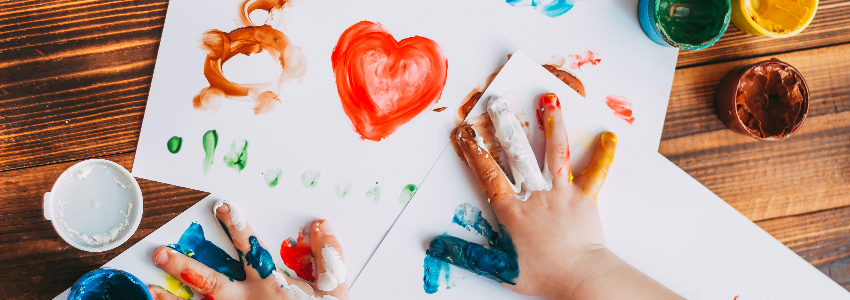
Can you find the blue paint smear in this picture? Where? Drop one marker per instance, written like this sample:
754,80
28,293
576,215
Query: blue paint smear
470,217
193,244
259,258
550,8
109,284
433,269
490,263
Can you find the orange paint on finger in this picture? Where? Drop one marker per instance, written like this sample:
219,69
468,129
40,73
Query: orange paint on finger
191,277
594,176
550,100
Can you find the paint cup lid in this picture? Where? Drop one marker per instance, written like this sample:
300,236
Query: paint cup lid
108,284
95,205
783,100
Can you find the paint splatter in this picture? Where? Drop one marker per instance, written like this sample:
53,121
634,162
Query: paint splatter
175,286
550,8
222,46
259,258
622,108
193,244
580,138
407,194
310,179
384,84
342,189
237,158
174,144
374,193
272,177
470,218
210,141
298,256
579,60
437,273
439,109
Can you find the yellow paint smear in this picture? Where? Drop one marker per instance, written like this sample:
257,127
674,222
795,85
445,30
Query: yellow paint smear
175,286
581,138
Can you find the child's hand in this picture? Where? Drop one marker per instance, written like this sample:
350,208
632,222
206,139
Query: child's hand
557,234
263,282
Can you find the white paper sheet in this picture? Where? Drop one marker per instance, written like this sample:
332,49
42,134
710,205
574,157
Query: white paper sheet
654,215
309,131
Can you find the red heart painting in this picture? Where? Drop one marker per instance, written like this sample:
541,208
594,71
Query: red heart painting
384,84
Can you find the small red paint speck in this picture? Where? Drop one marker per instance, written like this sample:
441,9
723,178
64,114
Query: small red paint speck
539,114
579,60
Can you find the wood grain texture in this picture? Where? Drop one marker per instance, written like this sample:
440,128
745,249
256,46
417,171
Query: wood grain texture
805,173
37,263
831,26
74,77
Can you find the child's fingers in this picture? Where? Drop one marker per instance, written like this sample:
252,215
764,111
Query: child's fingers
196,275
592,178
557,143
158,293
330,264
490,263
491,178
245,240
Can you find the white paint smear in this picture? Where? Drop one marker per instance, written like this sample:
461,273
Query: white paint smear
334,274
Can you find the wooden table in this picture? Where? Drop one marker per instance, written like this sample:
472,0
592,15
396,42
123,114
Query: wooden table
75,75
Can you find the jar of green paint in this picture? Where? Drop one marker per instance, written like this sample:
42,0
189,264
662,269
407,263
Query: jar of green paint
689,25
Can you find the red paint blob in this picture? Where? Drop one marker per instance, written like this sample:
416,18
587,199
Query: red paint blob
622,108
384,84
191,277
298,256
578,60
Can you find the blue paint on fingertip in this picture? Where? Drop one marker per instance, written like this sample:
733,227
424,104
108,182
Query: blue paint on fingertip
471,218
193,244
490,263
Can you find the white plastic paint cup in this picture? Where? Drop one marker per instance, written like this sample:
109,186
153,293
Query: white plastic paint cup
95,205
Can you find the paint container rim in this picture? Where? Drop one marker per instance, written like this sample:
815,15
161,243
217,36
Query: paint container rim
727,106
135,214
104,271
690,47
760,30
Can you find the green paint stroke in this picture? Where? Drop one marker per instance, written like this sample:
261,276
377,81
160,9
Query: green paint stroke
210,142
237,158
342,189
177,288
310,179
272,177
375,193
174,144
407,194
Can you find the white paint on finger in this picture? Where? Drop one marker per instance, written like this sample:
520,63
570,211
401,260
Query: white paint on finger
335,270
236,217
521,159
279,279
293,292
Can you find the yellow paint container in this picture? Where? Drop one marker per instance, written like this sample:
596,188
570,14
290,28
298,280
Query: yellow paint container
773,18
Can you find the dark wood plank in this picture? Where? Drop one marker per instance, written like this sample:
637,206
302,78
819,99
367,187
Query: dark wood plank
37,263
822,238
830,26
74,78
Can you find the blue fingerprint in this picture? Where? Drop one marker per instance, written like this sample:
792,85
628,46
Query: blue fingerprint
550,8
434,268
259,258
193,244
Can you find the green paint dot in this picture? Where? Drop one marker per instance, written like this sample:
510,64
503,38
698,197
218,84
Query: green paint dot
237,158
285,272
375,193
342,189
310,179
407,194
272,177
210,142
174,144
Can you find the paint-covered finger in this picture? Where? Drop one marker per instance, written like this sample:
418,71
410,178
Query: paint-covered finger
330,264
491,178
557,142
158,293
592,178
244,239
524,168
490,263
196,275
